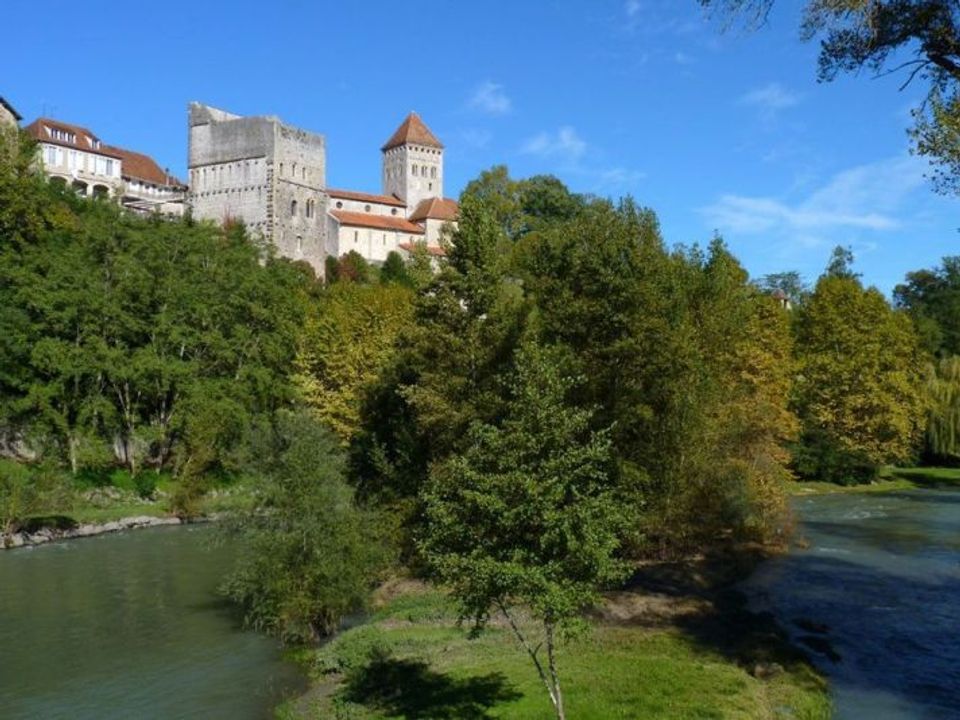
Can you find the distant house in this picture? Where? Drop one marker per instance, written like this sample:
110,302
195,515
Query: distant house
781,297
74,156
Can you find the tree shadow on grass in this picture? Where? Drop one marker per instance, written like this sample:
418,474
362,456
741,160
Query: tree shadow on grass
409,688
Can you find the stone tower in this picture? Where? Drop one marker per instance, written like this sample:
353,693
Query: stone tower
413,163
262,171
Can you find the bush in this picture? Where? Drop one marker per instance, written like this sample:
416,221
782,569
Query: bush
819,457
17,496
310,556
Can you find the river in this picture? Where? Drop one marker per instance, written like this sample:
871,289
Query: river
875,596
129,626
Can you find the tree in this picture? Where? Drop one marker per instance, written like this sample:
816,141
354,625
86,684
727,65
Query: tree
348,340
859,389
353,267
526,514
394,270
932,298
872,35
790,283
943,420
310,555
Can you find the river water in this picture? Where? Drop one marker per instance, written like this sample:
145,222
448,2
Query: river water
875,597
129,626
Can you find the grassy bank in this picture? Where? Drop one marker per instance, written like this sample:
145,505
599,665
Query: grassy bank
412,660
55,497
891,479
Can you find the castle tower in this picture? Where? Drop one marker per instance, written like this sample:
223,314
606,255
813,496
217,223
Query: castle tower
413,163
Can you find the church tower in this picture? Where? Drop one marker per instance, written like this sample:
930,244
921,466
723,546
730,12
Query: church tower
413,163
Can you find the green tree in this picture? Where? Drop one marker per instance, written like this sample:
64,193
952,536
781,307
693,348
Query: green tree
932,298
943,420
526,513
310,554
789,283
859,389
394,270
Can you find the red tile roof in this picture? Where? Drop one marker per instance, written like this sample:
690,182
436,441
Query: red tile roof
380,222
434,250
412,131
435,209
366,197
83,139
143,167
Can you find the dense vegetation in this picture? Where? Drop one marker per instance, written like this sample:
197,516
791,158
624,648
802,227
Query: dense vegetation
563,395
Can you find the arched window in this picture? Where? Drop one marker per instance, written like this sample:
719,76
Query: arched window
303,173
281,168
293,208
424,170
433,173
414,170
299,243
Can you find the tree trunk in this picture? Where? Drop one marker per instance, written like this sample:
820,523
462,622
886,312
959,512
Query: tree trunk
552,685
555,679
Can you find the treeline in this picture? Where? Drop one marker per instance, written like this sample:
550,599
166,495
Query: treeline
563,392
149,343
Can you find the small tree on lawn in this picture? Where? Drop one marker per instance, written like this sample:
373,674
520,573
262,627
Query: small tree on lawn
526,514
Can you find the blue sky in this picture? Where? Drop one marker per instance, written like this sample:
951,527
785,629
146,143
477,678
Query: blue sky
715,131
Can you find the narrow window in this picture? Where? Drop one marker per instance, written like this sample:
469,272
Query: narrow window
293,208
414,170
356,236
384,238
281,168
299,243
433,173
424,170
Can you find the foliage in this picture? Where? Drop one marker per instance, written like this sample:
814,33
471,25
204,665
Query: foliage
17,497
138,340
312,555
526,514
943,421
873,35
394,270
858,393
790,283
353,267
349,337
932,297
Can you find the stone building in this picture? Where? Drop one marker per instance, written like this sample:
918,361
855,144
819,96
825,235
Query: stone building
8,115
270,175
74,156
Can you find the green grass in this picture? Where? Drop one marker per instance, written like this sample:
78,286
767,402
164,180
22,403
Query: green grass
413,661
891,479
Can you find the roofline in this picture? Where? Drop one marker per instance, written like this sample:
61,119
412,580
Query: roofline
13,111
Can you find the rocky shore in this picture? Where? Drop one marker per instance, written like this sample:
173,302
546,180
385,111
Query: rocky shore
50,534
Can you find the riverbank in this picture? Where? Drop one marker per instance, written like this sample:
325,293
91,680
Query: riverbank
891,479
69,531
671,645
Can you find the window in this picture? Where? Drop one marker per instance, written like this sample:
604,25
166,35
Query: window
339,204
281,168
424,170
430,186
433,173
366,208
356,236
303,173
293,208
299,243
384,238
309,208
393,212
51,156
414,170
108,167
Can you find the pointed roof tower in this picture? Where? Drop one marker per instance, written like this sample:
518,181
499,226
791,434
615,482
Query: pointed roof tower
412,131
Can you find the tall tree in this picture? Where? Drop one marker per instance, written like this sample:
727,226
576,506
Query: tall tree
526,513
859,393
932,297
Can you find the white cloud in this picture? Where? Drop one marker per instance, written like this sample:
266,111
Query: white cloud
632,7
618,178
490,98
861,200
771,98
564,144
